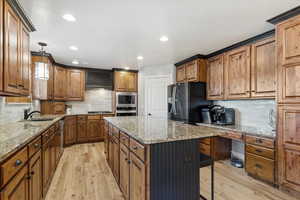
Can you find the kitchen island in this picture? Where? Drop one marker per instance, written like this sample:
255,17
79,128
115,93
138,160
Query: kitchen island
155,159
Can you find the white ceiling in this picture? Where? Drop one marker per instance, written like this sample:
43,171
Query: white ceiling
112,33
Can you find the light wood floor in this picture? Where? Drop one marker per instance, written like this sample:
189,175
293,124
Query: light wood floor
83,174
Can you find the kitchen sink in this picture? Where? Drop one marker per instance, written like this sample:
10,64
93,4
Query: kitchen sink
40,119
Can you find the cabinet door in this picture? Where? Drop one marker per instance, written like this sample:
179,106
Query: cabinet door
76,84
70,133
1,46
111,153
12,71
59,83
35,181
94,130
180,74
263,69
237,72
289,146
131,82
191,69
288,60
137,178
215,78
52,155
82,129
120,81
17,189
46,167
124,170
116,159
24,60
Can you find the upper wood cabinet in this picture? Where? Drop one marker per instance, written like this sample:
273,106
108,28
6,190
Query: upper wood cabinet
16,73
194,71
288,60
215,78
263,69
289,146
76,84
237,73
60,83
125,81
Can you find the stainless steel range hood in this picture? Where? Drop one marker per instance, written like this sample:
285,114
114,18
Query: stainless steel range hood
99,78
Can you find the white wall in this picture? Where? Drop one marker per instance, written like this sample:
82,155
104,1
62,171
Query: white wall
157,70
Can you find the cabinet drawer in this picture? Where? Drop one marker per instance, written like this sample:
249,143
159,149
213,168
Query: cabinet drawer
81,118
94,117
56,125
115,132
261,151
46,136
206,141
260,167
233,135
59,107
13,165
34,146
205,149
265,142
124,138
138,149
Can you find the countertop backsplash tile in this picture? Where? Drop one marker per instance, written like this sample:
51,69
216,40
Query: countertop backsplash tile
15,112
97,99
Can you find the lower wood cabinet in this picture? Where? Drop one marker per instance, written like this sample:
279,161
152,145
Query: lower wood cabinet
124,170
35,174
17,188
94,129
218,148
82,129
137,178
70,132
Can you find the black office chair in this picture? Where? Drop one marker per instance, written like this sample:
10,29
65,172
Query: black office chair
204,162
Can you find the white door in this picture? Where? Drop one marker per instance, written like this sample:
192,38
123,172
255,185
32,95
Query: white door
156,92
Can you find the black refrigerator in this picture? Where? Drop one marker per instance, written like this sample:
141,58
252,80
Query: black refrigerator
186,100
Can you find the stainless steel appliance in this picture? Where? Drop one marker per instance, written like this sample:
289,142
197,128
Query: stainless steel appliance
206,116
223,116
126,99
186,100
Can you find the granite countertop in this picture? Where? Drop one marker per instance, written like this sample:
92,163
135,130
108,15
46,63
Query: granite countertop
248,130
149,130
14,135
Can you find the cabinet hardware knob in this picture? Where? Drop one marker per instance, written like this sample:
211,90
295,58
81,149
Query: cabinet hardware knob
18,163
135,148
37,145
258,150
28,177
32,173
258,166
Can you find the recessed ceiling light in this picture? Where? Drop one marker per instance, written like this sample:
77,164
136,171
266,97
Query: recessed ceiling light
69,18
164,39
75,62
73,48
126,68
140,57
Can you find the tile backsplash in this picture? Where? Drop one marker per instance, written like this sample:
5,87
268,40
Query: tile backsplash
15,112
97,99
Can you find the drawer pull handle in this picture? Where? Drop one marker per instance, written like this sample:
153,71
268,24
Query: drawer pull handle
258,150
258,140
18,163
258,166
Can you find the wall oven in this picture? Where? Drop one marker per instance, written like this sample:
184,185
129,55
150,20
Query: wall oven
126,103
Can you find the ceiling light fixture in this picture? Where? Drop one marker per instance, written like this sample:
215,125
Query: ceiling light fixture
69,18
73,48
126,68
75,62
164,39
140,57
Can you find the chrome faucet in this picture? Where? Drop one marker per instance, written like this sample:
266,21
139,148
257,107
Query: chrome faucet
28,114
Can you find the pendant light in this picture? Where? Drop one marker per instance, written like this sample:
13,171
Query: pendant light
42,68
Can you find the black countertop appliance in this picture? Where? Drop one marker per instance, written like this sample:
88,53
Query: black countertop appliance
222,115
186,101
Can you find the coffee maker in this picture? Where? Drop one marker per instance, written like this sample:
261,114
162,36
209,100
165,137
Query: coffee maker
222,116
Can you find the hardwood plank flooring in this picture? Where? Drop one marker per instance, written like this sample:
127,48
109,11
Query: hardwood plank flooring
234,184
83,174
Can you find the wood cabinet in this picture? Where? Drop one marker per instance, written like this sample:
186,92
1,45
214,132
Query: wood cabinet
116,158
94,129
60,83
218,148
17,189
215,78
46,166
35,174
82,135
76,84
193,71
125,81
53,107
137,178
263,69
288,60
70,132
124,170
16,73
289,146
237,73
1,46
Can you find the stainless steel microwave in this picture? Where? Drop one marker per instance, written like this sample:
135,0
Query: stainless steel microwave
126,99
